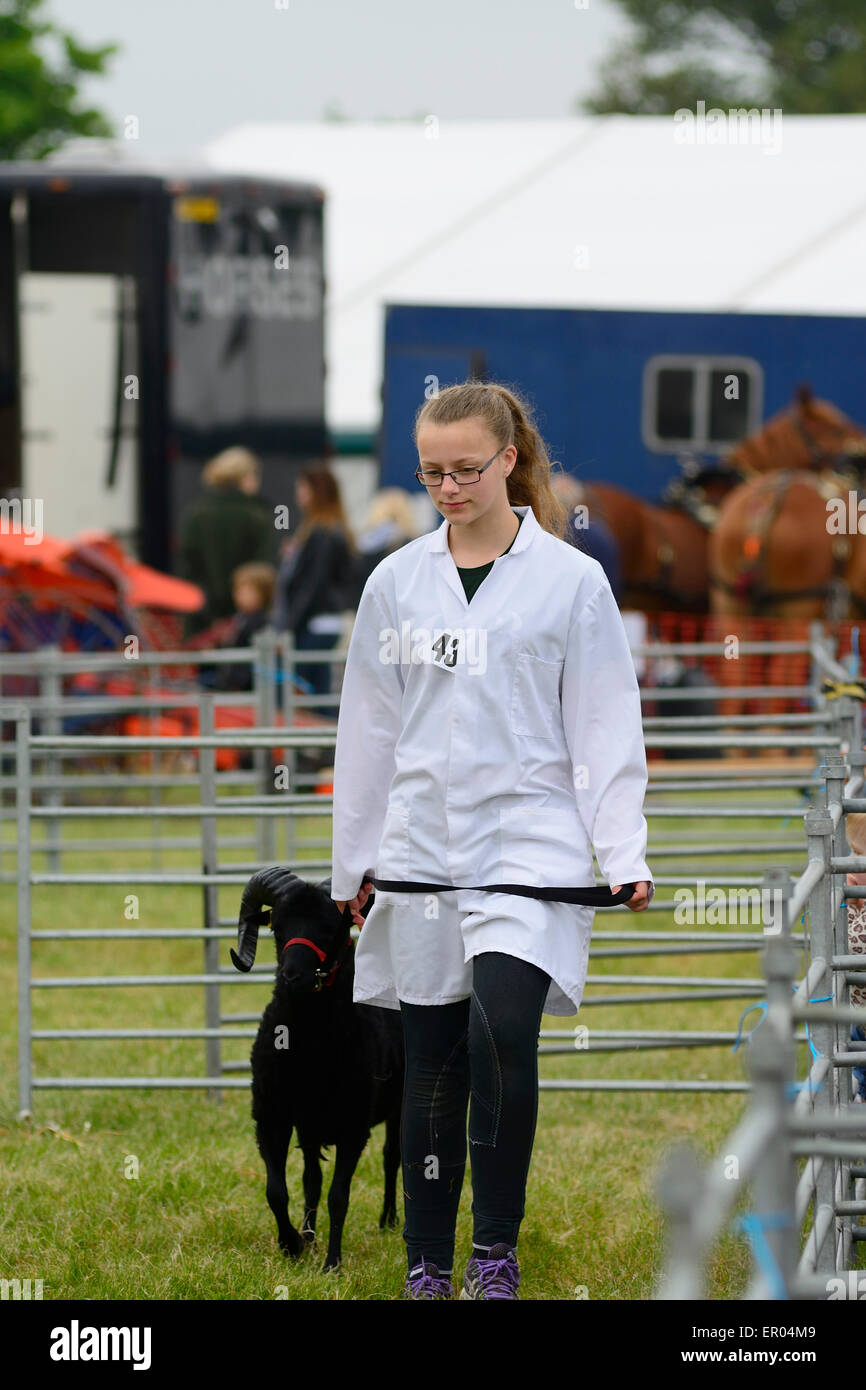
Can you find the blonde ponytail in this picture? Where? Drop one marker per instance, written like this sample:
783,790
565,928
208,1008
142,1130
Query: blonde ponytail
509,418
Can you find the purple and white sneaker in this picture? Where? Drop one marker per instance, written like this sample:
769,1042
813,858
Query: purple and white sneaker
496,1276
425,1281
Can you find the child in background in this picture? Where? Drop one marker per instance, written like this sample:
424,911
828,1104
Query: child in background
252,595
855,832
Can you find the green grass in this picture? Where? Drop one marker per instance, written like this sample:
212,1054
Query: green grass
194,1224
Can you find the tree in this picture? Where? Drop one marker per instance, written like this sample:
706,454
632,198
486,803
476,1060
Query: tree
39,103
804,56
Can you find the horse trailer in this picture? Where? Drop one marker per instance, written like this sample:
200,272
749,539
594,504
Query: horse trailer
148,321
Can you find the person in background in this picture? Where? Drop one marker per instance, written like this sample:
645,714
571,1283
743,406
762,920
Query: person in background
316,579
252,592
595,539
855,833
389,524
225,527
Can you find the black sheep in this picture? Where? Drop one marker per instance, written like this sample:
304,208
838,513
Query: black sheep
322,1065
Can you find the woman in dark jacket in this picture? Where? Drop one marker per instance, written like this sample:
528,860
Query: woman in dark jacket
316,580
225,527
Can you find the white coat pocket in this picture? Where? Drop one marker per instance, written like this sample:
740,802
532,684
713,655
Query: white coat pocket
542,846
535,702
393,858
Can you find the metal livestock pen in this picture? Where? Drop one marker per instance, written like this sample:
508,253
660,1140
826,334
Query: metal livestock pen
827,728
788,1120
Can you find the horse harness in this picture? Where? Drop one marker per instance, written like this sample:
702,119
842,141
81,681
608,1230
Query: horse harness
749,586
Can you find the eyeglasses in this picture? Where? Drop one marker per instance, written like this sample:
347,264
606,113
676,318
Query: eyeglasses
432,477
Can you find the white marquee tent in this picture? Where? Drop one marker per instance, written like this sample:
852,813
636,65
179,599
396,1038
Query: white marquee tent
614,212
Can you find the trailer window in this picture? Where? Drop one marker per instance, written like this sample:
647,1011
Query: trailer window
674,403
705,403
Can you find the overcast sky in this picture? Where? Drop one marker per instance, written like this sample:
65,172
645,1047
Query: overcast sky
191,69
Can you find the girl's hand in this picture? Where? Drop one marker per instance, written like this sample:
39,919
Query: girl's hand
640,898
357,903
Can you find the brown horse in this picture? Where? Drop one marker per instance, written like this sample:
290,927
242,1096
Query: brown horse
663,550
775,548
774,552
810,433
784,546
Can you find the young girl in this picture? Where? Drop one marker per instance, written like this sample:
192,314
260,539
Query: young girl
489,731
252,595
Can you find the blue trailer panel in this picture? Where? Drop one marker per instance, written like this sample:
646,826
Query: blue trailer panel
603,382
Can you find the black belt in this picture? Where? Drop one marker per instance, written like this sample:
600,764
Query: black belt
590,897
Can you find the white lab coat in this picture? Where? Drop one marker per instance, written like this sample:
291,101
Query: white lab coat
502,755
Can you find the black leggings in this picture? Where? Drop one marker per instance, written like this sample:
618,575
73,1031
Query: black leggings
485,1046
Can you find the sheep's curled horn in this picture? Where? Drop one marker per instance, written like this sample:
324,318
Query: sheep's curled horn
266,888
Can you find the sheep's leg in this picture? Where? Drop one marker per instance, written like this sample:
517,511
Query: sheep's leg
274,1149
312,1193
345,1163
391,1164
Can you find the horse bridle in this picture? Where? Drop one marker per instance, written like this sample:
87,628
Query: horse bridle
819,457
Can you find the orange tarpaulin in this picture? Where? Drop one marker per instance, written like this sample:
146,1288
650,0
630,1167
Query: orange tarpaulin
28,566
170,723
143,587
92,566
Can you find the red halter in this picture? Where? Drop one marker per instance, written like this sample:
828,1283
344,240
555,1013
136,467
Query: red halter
305,941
